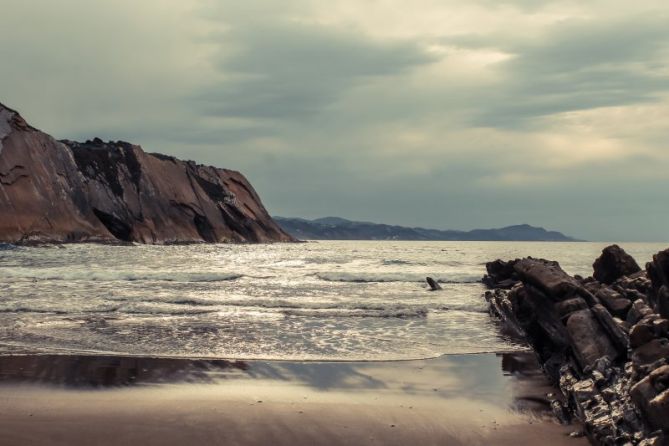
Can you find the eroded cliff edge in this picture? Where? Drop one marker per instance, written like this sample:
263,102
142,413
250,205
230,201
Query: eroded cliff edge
65,191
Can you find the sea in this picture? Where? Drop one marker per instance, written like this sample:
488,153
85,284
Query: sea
312,301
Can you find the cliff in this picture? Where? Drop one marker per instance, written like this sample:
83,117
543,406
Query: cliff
65,191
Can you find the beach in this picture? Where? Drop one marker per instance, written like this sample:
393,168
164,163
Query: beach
483,399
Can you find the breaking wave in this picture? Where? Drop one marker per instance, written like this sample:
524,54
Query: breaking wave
394,277
115,276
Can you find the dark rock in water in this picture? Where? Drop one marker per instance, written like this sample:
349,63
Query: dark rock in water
500,274
589,340
64,191
434,286
614,263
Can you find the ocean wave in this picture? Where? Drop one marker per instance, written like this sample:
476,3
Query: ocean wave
404,313
162,309
114,276
7,247
377,309
32,310
396,262
394,277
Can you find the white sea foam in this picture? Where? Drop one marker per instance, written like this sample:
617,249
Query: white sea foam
113,276
326,300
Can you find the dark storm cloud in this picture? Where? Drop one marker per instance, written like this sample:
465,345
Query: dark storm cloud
293,70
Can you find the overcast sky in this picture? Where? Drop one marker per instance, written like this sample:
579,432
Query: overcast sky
439,113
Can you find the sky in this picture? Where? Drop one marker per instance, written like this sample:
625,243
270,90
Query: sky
435,113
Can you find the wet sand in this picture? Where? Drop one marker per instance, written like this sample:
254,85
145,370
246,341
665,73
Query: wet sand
453,400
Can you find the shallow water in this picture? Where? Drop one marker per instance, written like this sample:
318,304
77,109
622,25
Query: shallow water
333,300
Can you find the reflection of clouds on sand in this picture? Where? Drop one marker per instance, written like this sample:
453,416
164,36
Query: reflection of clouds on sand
479,377
454,400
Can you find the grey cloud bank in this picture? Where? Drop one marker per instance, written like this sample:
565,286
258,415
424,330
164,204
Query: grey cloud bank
444,114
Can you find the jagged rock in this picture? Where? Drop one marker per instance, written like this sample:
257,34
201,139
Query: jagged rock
500,274
612,328
638,311
593,287
596,368
548,277
614,302
588,339
661,327
658,269
651,396
569,306
658,272
662,301
94,191
651,352
641,333
614,263
653,441
434,286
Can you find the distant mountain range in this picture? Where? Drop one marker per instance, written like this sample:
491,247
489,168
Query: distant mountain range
335,228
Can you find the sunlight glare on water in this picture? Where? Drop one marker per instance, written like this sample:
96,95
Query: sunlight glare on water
332,300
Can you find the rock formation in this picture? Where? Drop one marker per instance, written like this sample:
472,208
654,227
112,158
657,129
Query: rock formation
434,286
64,191
603,340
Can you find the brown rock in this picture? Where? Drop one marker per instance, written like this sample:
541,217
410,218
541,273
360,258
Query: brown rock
548,277
65,191
640,334
662,301
658,272
614,263
661,327
651,396
619,337
658,411
569,306
651,352
638,311
614,302
500,274
588,339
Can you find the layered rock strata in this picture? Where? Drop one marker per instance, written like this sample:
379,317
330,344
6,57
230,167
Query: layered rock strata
65,191
603,340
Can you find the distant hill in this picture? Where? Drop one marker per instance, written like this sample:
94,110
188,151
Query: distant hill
336,228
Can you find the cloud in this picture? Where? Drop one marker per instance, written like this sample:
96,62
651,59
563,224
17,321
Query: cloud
293,70
440,113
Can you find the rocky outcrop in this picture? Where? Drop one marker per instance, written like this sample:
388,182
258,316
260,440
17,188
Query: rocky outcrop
65,191
605,344
613,264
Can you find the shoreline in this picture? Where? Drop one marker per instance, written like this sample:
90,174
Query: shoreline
454,399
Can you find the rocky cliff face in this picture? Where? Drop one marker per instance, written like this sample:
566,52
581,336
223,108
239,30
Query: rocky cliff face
64,191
